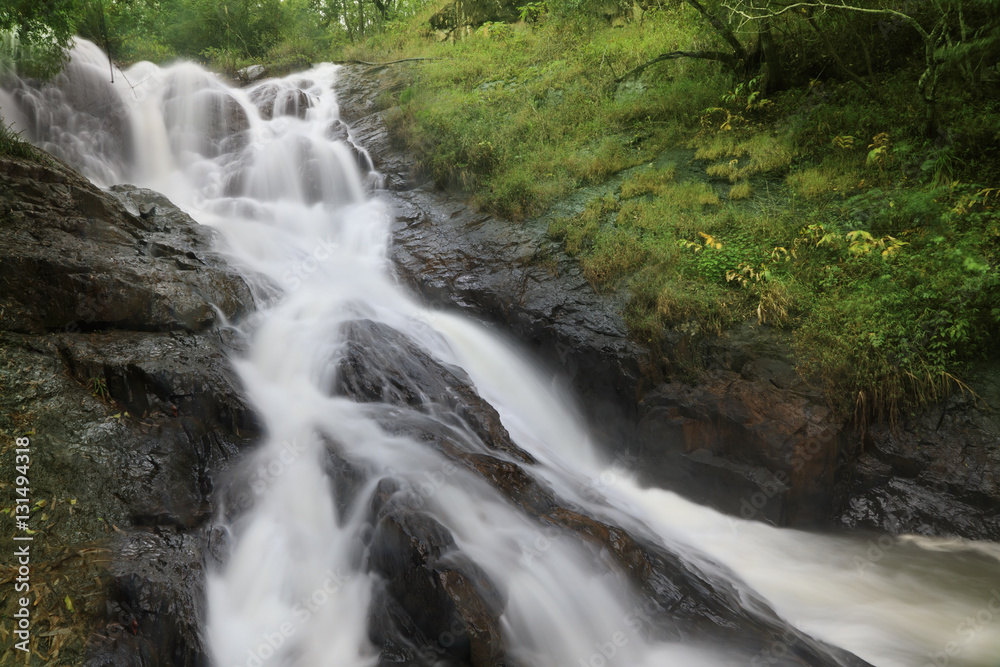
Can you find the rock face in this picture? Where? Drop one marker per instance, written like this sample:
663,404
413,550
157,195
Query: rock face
272,100
727,421
433,590
939,473
110,357
222,121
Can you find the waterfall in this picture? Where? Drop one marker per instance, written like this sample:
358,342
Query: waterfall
274,170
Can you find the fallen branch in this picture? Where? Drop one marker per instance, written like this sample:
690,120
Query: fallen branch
727,58
391,62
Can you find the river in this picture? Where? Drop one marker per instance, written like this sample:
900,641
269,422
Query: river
298,211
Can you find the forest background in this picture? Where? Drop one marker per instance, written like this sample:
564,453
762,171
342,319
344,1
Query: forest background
827,169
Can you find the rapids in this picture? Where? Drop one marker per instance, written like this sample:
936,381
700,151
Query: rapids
274,171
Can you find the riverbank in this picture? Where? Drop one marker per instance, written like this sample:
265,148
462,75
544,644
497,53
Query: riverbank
724,419
821,210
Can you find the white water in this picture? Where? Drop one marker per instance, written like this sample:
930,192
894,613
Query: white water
292,208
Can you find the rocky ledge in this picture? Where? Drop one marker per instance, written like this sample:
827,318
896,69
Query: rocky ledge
113,365
725,421
437,606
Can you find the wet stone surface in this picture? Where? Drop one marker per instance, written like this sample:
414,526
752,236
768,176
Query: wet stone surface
111,358
431,588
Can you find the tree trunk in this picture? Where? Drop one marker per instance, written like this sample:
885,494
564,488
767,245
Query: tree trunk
774,74
927,85
346,12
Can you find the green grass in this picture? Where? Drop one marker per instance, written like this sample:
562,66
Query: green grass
890,293
11,144
741,190
817,210
649,182
814,182
740,158
520,117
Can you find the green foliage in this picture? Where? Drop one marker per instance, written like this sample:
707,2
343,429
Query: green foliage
34,35
532,11
520,116
892,324
224,34
11,144
98,388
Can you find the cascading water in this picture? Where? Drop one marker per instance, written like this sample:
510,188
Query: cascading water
272,168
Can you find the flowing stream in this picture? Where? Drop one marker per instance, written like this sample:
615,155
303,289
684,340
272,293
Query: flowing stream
272,169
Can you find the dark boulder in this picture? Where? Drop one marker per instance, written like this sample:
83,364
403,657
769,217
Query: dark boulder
273,101
435,598
74,258
938,472
379,364
111,361
382,365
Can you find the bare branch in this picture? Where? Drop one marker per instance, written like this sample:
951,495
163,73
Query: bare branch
727,58
738,49
751,13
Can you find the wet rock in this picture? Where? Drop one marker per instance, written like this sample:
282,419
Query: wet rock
110,358
295,103
337,131
939,472
361,92
74,258
273,100
439,600
381,364
144,602
251,74
346,479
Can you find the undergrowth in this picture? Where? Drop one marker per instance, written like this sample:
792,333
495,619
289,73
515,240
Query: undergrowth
819,209
520,115
13,145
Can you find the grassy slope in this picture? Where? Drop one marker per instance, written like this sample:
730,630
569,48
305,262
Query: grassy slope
818,210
